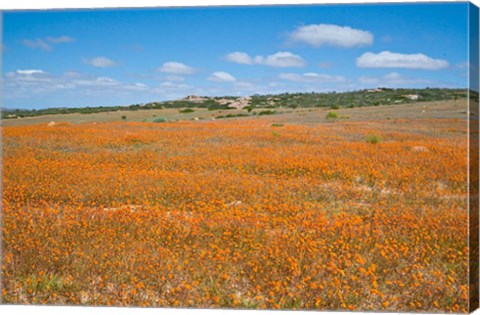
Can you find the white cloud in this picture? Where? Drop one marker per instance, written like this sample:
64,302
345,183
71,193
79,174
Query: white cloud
36,44
393,79
61,39
311,77
318,35
281,59
176,68
32,83
42,43
99,81
239,57
171,85
172,90
28,78
100,62
221,76
387,59
136,87
30,71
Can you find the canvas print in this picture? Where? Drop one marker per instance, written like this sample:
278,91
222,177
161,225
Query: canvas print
296,157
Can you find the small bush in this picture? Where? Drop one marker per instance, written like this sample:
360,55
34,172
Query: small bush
160,120
231,116
335,107
373,139
249,108
267,112
277,125
332,116
124,117
186,110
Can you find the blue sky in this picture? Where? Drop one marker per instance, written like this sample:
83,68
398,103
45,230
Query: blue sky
126,56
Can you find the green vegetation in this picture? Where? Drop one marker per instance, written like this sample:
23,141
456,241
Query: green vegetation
277,125
232,116
332,116
267,112
160,120
373,139
333,100
186,110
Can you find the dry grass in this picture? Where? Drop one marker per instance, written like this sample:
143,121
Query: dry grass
238,214
421,110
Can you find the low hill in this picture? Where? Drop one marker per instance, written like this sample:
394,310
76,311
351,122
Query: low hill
361,98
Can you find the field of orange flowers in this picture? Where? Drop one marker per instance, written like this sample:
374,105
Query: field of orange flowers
237,214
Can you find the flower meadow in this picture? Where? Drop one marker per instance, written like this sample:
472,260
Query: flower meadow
242,213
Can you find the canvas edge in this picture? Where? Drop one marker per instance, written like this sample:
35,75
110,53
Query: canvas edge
1,155
473,170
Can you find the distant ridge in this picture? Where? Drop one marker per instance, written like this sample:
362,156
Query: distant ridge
360,98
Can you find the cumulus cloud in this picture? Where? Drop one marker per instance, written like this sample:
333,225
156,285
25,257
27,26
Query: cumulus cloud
318,35
30,71
387,59
221,76
100,62
393,79
175,67
36,44
311,77
239,57
281,59
60,39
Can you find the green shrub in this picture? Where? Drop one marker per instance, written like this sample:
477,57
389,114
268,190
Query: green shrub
277,125
232,116
267,112
373,139
160,120
332,116
335,107
186,110
249,108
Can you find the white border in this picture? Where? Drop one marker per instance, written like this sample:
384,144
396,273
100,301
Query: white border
52,4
